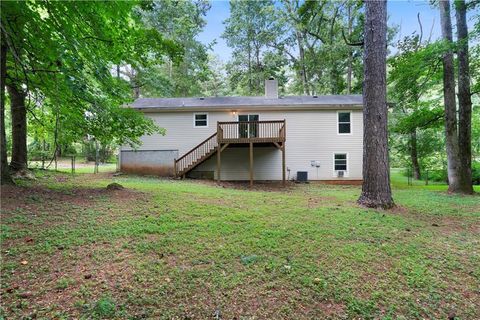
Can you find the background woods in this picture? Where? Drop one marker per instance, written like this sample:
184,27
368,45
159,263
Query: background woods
68,67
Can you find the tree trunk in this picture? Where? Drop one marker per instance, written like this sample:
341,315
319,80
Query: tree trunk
451,138
414,155
250,84
464,101
19,128
5,174
376,191
301,59
350,52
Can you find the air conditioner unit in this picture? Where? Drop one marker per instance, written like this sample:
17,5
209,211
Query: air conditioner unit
340,173
302,176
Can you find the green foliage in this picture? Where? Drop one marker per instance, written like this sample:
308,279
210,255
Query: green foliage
300,43
328,29
249,31
414,80
181,21
105,308
63,53
441,175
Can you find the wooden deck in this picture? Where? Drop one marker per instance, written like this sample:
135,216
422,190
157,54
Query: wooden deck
234,133
251,131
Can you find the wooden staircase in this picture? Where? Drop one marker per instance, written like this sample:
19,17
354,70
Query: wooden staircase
195,156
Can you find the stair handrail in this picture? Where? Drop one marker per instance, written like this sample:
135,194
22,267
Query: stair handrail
193,149
181,163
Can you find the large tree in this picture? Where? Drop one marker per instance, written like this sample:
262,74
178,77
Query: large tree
464,100
376,190
5,170
450,105
457,133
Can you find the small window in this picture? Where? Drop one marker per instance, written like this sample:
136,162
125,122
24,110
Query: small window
201,120
340,161
344,123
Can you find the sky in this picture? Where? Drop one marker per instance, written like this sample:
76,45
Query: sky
402,13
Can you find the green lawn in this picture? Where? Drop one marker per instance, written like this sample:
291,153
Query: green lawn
166,249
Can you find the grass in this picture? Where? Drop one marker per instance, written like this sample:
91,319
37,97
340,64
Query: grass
190,250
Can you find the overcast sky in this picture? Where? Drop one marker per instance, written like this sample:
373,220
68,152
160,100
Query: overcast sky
401,13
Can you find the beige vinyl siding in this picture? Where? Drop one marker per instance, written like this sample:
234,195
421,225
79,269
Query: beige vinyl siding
312,135
181,134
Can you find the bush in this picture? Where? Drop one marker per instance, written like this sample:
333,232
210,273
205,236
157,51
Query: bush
442,176
476,172
437,175
105,153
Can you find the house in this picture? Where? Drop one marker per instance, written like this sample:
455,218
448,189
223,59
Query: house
252,138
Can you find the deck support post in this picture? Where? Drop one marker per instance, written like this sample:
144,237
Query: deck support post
175,168
251,164
219,161
283,163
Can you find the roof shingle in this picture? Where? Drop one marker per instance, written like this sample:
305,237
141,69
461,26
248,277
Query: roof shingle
247,102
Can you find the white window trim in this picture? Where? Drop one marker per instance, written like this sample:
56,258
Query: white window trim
338,123
195,123
348,164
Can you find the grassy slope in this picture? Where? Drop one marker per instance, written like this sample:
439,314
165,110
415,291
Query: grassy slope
189,250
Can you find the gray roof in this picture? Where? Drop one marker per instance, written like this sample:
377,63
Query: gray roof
219,103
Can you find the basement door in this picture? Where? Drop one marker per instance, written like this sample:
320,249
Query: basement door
248,130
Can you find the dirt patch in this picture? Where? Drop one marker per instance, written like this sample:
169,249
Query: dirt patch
442,224
67,282
274,186
258,301
341,182
14,197
317,202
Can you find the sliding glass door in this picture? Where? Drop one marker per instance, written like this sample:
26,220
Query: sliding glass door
248,130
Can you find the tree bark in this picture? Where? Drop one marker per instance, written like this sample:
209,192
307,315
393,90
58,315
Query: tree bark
301,59
5,170
376,191
414,155
19,128
451,138
464,101
350,52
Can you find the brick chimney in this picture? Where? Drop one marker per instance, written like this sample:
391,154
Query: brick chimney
271,88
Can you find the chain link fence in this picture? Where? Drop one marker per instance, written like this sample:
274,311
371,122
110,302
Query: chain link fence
73,164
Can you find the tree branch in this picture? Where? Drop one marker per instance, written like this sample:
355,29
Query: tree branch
353,44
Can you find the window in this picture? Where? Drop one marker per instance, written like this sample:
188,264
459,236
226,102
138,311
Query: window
200,120
344,123
340,162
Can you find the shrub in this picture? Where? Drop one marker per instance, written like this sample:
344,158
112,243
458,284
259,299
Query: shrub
476,172
437,175
441,175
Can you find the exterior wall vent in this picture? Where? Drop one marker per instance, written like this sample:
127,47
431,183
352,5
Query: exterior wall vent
340,173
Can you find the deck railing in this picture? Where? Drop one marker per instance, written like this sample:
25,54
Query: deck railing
251,131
